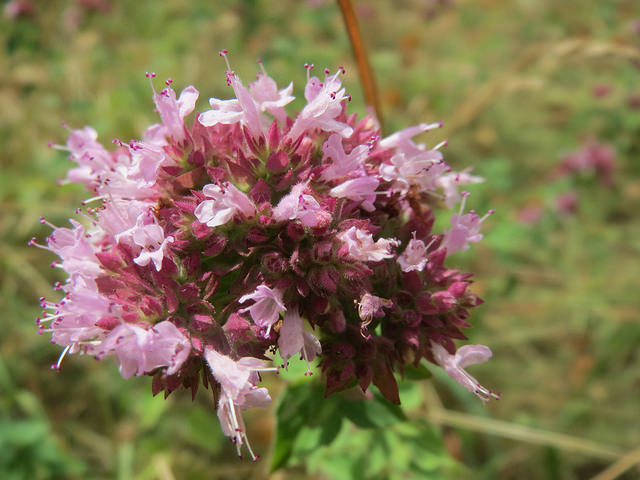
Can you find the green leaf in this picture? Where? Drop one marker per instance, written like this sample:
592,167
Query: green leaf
375,413
417,373
296,407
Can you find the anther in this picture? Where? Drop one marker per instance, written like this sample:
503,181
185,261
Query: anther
223,54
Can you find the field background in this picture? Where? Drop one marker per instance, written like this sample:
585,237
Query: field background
518,84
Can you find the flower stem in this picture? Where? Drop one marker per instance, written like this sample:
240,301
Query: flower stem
364,67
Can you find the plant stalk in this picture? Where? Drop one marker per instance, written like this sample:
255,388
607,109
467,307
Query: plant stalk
364,67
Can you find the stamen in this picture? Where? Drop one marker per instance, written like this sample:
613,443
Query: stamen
264,72
254,457
60,358
443,143
56,146
150,76
306,359
237,439
430,243
32,243
308,67
426,127
223,53
91,211
388,193
48,318
266,369
464,196
487,215
93,199
44,221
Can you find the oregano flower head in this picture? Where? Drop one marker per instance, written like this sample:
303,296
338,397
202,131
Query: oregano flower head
213,242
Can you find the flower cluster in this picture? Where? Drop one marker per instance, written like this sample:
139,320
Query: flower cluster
593,158
213,244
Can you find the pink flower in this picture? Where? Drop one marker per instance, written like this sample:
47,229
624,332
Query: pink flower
401,140
141,350
239,392
127,342
146,159
313,86
422,170
268,98
362,189
92,158
301,206
293,339
449,183
76,251
325,104
166,347
455,366
360,245
225,202
73,322
343,164
464,229
267,306
120,218
172,113
414,256
235,377
241,109
153,242
370,306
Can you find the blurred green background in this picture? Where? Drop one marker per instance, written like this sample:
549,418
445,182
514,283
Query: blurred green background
518,84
